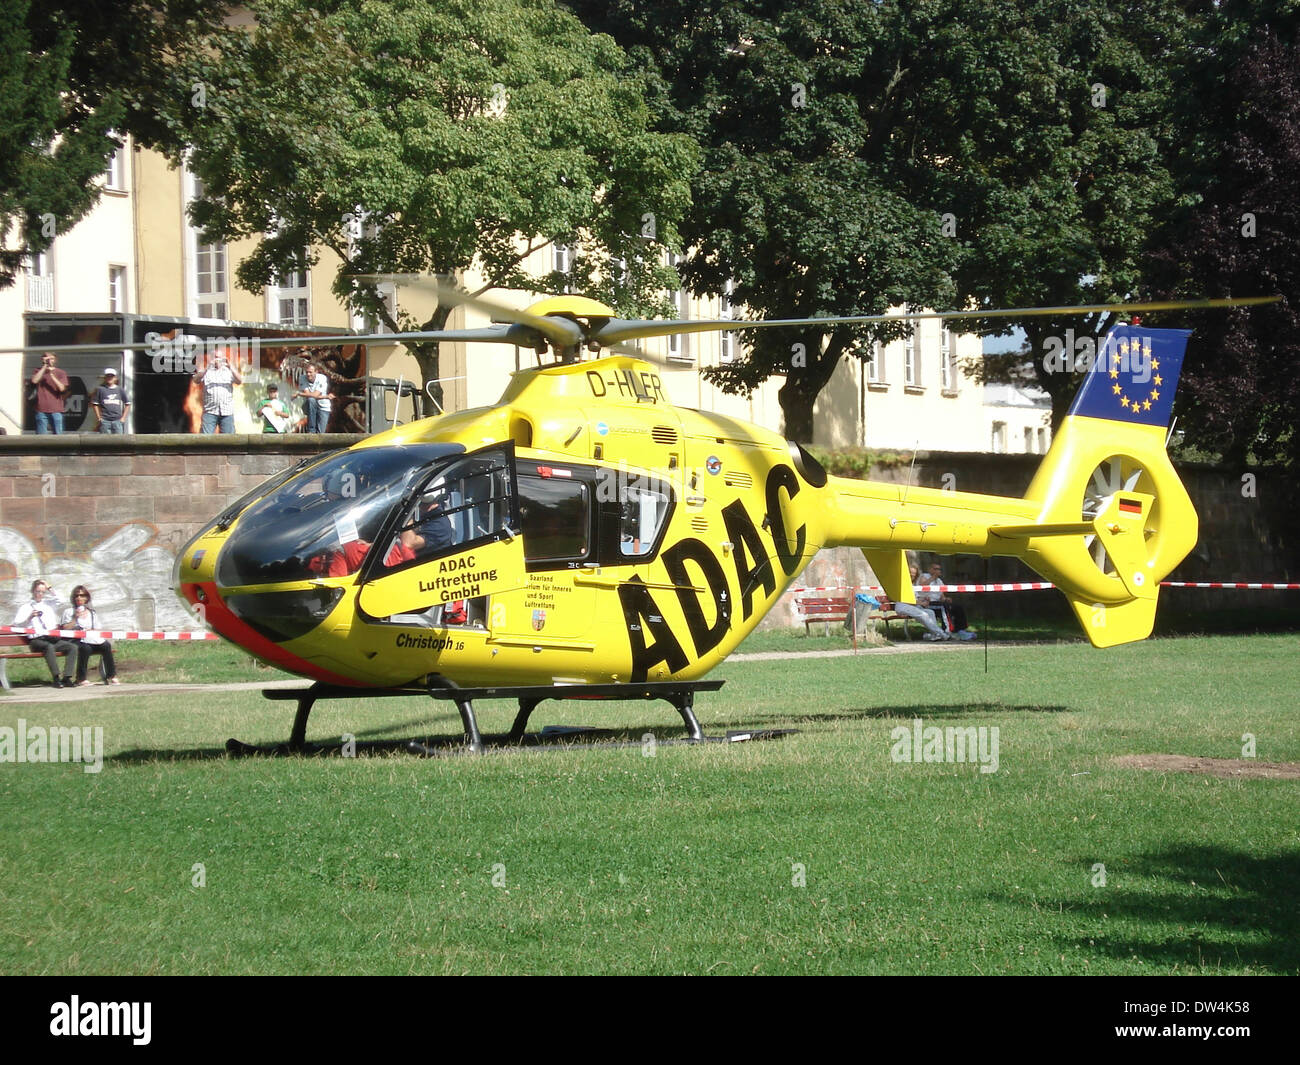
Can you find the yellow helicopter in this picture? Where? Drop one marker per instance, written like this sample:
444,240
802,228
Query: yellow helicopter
585,536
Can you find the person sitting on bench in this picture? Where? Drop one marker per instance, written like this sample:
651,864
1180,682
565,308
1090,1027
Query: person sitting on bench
920,611
39,615
81,616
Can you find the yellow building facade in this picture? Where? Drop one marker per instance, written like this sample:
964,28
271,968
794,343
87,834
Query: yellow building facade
137,256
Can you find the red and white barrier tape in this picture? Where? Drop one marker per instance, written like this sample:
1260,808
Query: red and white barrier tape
1229,584
1034,586
112,634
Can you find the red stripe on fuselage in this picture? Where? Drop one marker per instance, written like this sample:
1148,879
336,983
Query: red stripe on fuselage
222,621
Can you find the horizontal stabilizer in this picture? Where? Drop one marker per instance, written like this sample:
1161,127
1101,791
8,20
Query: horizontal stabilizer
1026,532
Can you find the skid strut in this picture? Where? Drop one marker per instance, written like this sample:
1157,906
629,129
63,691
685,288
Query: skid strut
681,694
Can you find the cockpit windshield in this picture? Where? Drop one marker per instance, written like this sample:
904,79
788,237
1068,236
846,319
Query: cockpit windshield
322,522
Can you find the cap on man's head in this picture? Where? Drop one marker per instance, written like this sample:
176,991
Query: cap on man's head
110,372
273,388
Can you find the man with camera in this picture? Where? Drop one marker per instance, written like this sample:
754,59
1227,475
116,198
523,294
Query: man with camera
218,380
51,386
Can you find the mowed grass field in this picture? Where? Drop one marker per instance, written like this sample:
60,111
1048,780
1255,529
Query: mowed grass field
816,853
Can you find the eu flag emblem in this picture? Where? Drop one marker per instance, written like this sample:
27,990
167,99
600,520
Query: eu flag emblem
1134,376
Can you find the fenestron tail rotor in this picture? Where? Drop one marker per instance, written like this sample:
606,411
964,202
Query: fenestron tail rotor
1113,475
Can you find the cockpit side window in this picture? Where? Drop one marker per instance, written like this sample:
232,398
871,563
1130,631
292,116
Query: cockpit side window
322,521
465,503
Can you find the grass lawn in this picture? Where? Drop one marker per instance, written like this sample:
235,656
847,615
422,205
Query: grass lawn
817,853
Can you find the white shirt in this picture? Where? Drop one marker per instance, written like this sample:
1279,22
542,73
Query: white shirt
320,389
88,622
44,618
218,391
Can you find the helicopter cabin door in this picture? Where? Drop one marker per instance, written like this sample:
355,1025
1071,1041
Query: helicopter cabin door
455,543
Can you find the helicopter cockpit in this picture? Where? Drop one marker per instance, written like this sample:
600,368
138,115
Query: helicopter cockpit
322,522
427,532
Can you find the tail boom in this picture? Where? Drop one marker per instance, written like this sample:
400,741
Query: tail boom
1105,518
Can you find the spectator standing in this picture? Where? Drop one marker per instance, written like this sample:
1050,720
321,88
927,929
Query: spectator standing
111,404
218,381
51,389
39,615
316,392
82,616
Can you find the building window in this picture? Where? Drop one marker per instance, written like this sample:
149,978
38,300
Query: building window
1029,440
912,360
210,280
999,441
726,341
876,364
291,295
678,347
562,263
40,282
117,288
947,361
208,291
115,174
1042,441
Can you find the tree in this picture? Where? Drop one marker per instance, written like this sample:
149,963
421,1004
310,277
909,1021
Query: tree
859,156
75,75
419,138
1241,164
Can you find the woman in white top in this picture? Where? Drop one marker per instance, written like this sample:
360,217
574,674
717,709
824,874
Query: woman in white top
81,616
39,615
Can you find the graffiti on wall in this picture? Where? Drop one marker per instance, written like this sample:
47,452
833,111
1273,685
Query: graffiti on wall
129,575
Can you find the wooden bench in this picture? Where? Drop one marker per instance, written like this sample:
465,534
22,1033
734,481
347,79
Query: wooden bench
10,643
824,608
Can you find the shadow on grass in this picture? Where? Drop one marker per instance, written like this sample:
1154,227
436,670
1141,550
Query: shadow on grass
381,741
1201,906
902,713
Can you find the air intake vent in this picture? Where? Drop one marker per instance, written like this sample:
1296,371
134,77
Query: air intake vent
738,480
699,525
663,434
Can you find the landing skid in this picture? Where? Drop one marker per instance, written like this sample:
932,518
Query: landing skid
681,694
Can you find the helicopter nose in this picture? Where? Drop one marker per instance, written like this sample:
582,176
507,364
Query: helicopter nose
238,618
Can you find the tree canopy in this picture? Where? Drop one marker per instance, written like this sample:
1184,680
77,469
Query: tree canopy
1239,116
859,156
76,75
419,138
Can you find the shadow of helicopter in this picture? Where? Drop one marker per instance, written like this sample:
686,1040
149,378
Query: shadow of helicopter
555,737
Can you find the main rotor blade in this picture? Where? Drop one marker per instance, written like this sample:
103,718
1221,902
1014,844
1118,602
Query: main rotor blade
561,332
617,329
524,336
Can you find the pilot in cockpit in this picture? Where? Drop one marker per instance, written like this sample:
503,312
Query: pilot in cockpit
433,531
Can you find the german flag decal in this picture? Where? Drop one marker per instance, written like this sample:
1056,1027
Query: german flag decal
1130,506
